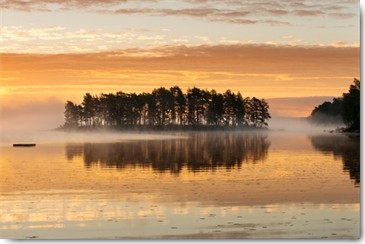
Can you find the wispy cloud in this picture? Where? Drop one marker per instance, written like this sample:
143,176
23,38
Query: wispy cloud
240,16
59,39
57,5
265,71
238,57
56,39
249,12
305,12
230,11
261,70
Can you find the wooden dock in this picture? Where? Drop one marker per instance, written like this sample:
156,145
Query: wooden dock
24,145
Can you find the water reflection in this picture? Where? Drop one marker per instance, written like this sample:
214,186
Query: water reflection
345,147
87,215
201,151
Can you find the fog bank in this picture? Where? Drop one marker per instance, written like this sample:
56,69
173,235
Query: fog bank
290,124
27,116
33,122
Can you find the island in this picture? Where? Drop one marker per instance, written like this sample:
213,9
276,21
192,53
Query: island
168,109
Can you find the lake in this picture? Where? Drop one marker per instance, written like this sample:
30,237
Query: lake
201,185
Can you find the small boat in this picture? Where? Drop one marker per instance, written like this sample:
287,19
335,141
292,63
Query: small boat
24,145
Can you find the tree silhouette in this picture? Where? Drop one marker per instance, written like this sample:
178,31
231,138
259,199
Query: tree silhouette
151,108
168,108
328,112
264,114
73,115
345,109
197,104
240,110
351,106
179,108
229,102
215,108
164,104
109,105
89,109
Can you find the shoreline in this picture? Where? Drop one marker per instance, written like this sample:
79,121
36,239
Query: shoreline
168,128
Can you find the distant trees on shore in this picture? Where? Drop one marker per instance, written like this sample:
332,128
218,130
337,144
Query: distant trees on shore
328,112
345,109
351,106
166,107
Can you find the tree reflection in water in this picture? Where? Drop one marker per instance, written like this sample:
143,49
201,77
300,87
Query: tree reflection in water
345,147
201,151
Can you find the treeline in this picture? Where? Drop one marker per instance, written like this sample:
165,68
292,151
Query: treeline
345,109
167,107
328,112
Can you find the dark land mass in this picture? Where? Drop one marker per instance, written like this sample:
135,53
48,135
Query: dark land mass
169,128
168,109
343,110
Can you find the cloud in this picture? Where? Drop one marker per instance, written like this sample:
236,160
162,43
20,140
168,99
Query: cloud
211,14
244,57
308,12
229,11
337,9
278,12
56,5
271,56
264,71
247,12
255,70
56,39
343,44
342,15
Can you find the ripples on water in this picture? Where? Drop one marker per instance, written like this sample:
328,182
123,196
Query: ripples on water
345,147
201,185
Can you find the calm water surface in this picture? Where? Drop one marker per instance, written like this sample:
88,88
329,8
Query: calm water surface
183,185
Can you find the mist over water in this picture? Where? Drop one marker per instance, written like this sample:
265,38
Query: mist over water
290,124
36,134
28,120
118,182
35,123
52,136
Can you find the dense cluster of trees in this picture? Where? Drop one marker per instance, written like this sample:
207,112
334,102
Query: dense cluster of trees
168,107
351,106
328,112
345,109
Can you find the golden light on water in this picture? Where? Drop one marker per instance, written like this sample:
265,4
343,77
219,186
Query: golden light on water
287,182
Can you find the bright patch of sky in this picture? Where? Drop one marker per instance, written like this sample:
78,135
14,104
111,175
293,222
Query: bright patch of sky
110,25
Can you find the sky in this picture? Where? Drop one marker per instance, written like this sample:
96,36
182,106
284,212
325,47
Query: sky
294,53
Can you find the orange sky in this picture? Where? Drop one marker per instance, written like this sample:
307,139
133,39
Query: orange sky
265,71
298,52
